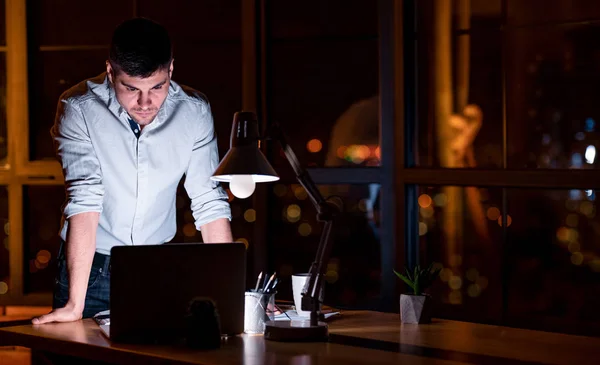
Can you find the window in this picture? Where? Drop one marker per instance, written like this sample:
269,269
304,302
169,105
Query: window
322,87
503,191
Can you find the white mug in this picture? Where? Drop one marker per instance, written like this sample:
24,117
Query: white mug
298,281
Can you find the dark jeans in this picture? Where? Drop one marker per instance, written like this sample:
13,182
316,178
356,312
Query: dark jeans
97,298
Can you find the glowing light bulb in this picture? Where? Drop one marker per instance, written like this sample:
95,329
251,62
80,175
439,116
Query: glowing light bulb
590,154
242,186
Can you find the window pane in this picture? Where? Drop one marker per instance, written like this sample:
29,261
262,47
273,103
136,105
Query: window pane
545,275
553,75
354,266
523,13
41,224
74,22
52,73
3,134
323,81
553,253
459,85
460,231
4,251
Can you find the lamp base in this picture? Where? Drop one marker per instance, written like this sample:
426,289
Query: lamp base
295,331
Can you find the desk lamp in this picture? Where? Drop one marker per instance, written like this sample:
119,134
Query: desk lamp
242,167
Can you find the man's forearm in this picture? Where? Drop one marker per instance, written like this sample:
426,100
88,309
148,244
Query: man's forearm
81,245
217,231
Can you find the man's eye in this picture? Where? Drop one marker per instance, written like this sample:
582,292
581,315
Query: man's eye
158,87
131,89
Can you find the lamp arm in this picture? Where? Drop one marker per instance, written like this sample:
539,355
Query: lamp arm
326,212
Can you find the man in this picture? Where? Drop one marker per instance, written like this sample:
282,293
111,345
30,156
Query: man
125,139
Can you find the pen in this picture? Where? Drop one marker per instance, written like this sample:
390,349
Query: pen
258,282
266,288
274,285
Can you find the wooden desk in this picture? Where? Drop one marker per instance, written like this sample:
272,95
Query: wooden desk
356,338
464,341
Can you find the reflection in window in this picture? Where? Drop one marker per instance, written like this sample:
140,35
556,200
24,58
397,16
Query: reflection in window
554,259
41,224
544,275
353,271
553,112
460,86
355,136
467,247
327,105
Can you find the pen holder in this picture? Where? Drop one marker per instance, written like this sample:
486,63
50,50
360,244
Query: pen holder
258,308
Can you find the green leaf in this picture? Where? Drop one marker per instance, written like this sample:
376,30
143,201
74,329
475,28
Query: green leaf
408,282
408,275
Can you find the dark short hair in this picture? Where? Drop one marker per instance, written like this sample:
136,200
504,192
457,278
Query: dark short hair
140,47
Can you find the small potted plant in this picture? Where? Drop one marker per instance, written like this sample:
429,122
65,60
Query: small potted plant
416,307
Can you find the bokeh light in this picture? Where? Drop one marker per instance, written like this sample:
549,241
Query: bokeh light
473,290
43,256
472,274
445,274
3,288
300,193
422,229
250,215
508,220
424,201
244,241
426,212
455,282
314,145
493,213
331,276
293,213
440,200
304,229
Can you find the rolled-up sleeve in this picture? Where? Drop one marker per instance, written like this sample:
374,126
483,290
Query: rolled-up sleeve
81,168
209,200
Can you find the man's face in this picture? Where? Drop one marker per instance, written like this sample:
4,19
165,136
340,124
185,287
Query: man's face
141,97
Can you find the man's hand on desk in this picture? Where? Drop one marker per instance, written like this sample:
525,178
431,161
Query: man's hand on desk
66,314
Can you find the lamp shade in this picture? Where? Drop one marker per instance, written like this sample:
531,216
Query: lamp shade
244,157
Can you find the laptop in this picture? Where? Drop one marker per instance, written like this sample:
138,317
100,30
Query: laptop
152,287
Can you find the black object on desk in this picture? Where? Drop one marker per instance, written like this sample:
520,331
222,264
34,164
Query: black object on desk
203,329
152,289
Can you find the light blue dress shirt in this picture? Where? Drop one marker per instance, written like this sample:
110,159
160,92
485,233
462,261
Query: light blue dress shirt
132,180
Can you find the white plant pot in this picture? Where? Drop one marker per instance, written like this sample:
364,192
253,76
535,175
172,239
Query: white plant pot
415,308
